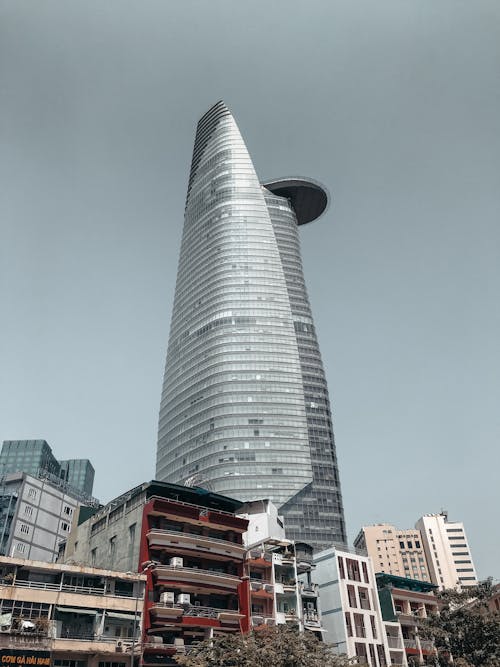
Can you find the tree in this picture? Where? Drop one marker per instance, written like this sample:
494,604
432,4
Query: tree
281,646
465,628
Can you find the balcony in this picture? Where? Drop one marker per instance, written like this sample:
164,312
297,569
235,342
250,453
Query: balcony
65,588
71,642
410,643
309,590
211,578
176,610
190,541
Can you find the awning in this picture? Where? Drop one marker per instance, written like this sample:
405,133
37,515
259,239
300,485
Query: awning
127,617
74,610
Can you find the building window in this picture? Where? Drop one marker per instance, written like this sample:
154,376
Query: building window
374,627
417,544
112,549
359,625
351,594
28,510
68,510
401,545
341,567
21,547
31,493
93,557
364,600
365,572
24,528
348,624
64,526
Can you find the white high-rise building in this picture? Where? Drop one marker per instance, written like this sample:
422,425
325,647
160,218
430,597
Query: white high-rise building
447,551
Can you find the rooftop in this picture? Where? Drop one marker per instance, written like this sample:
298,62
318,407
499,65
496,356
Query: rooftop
404,583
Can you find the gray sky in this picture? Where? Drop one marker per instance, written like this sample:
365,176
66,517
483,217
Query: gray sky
393,104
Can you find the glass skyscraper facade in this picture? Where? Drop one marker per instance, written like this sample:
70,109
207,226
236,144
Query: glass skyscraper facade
245,408
35,457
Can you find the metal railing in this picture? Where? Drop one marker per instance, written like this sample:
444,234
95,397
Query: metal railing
410,643
426,645
66,588
198,507
195,610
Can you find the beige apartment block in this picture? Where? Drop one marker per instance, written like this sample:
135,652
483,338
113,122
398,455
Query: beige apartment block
69,615
447,551
394,551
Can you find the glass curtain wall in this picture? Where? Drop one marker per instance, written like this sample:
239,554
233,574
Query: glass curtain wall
235,416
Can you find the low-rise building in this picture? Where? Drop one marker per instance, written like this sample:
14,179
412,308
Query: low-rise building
78,616
281,588
280,571
406,602
350,606
189,543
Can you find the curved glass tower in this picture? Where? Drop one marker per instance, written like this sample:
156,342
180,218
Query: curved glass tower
245,408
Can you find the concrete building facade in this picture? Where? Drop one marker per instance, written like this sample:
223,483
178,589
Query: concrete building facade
280,572
394,551
35,516
447,550
350,606
67,615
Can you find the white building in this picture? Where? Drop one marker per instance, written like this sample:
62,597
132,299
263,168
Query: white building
447,551
35,516
280,571
264,522
350,606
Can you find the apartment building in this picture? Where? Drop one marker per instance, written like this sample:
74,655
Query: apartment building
447,551
405,602
350,606
189,543
69,615
280,571
281,589
36,514
394,551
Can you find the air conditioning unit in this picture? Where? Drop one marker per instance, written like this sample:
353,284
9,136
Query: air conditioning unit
183,598
168,596
176,562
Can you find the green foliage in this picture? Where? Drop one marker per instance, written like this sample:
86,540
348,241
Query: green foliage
282,646
466,628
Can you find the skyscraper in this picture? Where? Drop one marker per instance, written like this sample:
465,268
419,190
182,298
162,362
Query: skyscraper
35,457
245,408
